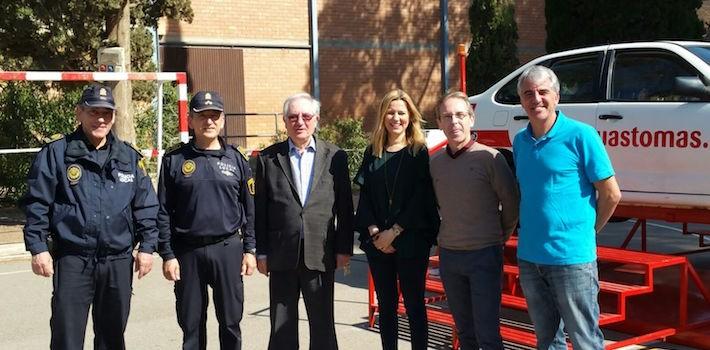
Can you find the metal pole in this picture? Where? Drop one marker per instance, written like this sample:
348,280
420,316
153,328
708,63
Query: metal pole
315,67
159,105
160,125
444,10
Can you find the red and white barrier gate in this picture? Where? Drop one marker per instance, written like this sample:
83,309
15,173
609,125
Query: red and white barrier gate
179,77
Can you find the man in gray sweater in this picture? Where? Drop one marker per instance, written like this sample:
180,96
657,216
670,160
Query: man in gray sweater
478,204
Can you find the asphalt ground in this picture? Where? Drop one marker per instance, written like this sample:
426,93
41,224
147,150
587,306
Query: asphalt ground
25,302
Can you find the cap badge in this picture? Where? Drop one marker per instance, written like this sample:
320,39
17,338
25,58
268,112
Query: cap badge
73,174
188,167
207,103
102,92
208,96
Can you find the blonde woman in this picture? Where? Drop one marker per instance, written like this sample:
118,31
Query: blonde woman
397,216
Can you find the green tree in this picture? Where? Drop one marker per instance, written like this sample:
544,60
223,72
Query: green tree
493,51
29,117
65,35
578,23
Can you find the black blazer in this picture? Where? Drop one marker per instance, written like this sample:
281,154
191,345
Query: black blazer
326,220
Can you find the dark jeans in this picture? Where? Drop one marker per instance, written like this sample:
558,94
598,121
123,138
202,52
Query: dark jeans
80,282
219,266
386,269
472,281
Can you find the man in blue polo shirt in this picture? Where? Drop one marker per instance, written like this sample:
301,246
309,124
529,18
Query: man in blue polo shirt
562,166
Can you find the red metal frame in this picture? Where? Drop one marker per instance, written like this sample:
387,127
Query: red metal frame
649,261
461,51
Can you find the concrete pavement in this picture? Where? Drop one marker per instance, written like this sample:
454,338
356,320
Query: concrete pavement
25,300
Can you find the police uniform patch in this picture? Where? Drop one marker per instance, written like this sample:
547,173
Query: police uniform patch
251,186
188,167
73,174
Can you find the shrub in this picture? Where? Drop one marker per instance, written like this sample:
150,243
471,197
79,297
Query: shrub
348,134
30,113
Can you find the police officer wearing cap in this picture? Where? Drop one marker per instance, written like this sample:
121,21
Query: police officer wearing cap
206,222
90,199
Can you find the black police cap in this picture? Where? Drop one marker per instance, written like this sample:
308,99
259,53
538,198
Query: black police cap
97,96
207,100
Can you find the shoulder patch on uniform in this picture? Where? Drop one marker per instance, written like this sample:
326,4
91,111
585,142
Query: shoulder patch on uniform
251,186
53,138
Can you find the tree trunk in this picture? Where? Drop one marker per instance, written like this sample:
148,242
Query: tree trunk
120,32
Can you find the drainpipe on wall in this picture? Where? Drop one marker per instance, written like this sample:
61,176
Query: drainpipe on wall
444,23
315,67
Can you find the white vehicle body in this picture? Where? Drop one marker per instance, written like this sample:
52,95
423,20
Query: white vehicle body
650,103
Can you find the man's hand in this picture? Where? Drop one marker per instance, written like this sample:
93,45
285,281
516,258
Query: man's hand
171,270
262,266
384,239
42,264
143,264
248,264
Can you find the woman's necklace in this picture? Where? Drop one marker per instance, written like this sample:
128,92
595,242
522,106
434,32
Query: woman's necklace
390,194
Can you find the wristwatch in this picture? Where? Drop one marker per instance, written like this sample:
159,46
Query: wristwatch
251,251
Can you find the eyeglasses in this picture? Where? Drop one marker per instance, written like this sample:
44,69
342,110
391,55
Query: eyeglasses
452,116
294,117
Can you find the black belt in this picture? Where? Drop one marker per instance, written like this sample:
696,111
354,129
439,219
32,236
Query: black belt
204,240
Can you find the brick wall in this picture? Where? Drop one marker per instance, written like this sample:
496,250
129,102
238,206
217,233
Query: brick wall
367,49
530,18
246,20
258,28
270,76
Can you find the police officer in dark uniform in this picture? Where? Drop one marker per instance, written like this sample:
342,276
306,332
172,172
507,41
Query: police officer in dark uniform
90,197
206,224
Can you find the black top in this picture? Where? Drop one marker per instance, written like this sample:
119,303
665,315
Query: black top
204,193
397,189
91,207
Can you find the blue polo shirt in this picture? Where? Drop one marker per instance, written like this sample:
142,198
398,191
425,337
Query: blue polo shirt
558,200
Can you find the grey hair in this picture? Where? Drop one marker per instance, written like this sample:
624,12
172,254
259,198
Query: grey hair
315,105
538,74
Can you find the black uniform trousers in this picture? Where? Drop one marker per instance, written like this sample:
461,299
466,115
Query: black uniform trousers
84,281
317,287
386,270
219,266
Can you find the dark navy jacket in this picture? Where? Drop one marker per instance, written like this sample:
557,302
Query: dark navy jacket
204,193
89,209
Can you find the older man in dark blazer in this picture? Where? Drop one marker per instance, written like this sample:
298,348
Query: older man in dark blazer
304,215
